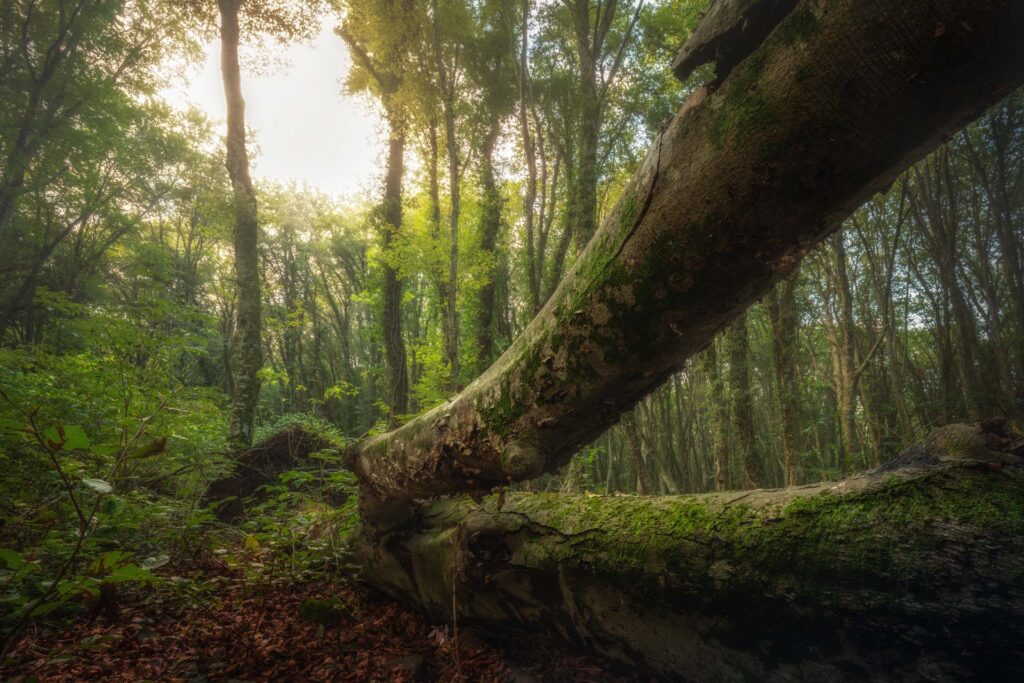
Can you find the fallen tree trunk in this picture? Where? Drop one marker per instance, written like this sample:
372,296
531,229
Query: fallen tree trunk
840,97
914,571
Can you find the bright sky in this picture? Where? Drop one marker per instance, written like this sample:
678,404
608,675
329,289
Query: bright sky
306,130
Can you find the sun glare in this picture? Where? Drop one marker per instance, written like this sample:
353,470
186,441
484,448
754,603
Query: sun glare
304,128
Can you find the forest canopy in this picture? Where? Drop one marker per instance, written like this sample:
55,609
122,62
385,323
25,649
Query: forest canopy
161,311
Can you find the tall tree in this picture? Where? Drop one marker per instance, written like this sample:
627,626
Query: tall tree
488,60
60,60
782,313
447,63
741,403
248,345
935,207
718,417
283,21
599,60
76,79
382,36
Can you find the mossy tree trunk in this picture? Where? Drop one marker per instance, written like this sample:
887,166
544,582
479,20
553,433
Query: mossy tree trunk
838,100
490,228
912,572
248,328
388,79
391,228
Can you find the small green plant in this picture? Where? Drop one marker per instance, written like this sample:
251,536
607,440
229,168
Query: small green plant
73,560
296,531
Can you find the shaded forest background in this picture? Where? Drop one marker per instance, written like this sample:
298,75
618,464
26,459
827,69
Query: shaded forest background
517,125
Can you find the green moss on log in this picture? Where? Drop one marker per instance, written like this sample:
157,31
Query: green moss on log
745,107
850,537
923,560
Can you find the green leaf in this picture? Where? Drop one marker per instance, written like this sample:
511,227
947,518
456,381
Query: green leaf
113,505
46,608
53,438
10,558
110,559
12,425
107,449
128,573
98,485
75,437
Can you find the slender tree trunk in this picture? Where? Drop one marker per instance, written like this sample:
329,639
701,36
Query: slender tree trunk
13,177
25,295
718,413
644,485
935,200
40,116
741,405
568,221
490,227
783,317
586,190
666,462
589,41
846,378
248,352
1006,177
394,343
438,270
529,152
451,311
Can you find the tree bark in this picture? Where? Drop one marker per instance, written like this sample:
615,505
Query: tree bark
590,38
741,406
934,198
529,153
248,352
903,573
388,77
847,386
446,85
784,320
717,414
586,179
732,195
394,344
490,227
644,485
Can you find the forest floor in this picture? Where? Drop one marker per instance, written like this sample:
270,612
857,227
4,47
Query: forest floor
323,629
